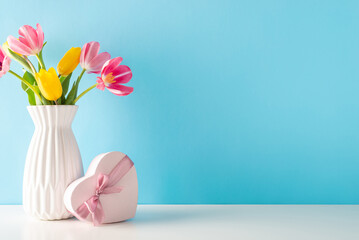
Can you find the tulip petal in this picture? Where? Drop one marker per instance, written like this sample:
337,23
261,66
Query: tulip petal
52,71
69,61
84,51
40,36
2,54
120,90
97,62
24,41
49,84
30,35
4,63
92,51
101,84
105,65
122,74
18,47
110,65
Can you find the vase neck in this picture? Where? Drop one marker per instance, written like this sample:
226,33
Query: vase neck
60,116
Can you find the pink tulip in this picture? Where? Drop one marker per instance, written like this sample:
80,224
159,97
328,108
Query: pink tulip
4,63
90,60
30,41
113,75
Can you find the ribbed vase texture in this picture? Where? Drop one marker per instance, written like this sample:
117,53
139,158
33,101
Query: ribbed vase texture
53,161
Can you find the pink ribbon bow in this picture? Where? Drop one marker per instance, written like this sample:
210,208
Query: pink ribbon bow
105,185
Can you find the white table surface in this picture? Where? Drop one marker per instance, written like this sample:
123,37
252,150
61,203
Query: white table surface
172,222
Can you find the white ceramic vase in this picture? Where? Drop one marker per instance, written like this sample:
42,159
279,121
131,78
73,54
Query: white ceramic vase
53,161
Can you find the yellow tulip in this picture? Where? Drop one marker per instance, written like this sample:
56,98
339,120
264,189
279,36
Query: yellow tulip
69,61
49,84
6,48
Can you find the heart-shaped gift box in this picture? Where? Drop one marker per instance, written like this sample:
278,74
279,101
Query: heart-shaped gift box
107,193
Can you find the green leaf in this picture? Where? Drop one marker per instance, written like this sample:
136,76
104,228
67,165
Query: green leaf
30,94
38,101
45,101
73,93
29,78
40,56
65,82
20,60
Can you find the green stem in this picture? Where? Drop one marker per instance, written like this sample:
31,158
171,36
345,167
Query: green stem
82,73
27,84
42,64
84,92
31,65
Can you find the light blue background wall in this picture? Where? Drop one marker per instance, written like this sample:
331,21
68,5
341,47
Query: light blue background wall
234,102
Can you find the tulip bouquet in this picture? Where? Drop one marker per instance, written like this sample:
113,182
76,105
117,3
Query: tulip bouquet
48,86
